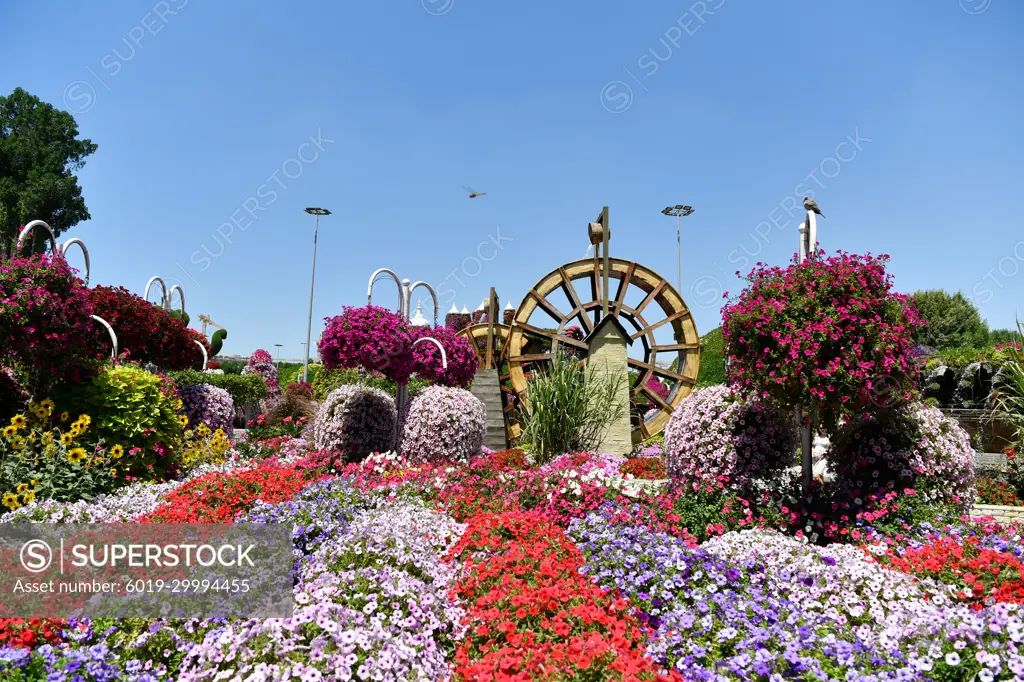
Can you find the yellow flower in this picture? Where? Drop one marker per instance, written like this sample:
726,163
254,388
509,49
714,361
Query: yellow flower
85,419
67,438
113,472
34,482
22,487
204,430
77,455
46,438
17,442
183,420
64,416
116,451
9,431
18,421
188,435
178,404
48,406
10,501
29,497
32,437
50,451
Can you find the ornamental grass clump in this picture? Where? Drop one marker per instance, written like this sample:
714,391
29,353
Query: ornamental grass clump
827,332
209,405
356,420
569,409
716,439
443,423
914,447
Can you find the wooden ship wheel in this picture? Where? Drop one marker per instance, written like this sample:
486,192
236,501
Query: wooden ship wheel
532,343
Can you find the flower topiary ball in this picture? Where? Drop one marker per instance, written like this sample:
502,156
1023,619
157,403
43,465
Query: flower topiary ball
444,423
210,405
914,446
717,439
356,420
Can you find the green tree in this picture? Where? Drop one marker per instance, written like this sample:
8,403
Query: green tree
39,152
953,321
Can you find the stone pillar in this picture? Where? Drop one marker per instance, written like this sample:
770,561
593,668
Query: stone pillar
608,361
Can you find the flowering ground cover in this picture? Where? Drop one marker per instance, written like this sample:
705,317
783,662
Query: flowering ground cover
496,569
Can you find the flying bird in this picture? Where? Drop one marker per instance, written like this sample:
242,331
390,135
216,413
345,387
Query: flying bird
473,194
811,205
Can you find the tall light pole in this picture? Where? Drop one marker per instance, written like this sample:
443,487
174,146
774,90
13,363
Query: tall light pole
278,356
678,211
309,323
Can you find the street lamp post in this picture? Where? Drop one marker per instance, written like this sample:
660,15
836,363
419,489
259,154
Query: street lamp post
309,323
278,345
678,211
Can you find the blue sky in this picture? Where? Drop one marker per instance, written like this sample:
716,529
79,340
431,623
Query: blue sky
903,121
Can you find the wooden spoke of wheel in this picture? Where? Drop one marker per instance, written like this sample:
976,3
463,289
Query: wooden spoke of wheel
660,303
477,333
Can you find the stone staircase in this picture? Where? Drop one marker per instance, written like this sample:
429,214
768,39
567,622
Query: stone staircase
488,390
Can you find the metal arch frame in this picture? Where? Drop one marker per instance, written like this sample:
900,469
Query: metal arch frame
373,280
33,225
629,273
444,356
170,297
163,288
437,307
203,349
63,249
110,331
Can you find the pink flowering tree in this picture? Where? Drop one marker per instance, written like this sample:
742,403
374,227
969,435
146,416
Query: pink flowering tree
370,337
828,332
45,323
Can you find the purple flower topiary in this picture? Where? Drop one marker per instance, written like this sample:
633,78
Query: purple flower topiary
356,420
210,405
716,437
443,423
261,363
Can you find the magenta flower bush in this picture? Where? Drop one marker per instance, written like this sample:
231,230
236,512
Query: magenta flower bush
461,357
914,446
716,439
356,420
658,388
443,423
456,321
370,337
44,318
828,331
261,363
210,405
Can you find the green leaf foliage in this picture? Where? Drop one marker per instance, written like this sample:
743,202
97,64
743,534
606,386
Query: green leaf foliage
39,150
244,388
952,320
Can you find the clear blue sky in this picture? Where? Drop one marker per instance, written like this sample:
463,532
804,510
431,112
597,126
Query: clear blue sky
553,109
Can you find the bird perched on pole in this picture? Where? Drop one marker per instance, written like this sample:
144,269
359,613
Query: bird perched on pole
811,205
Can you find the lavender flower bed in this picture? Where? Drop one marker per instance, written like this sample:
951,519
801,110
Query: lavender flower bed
758,604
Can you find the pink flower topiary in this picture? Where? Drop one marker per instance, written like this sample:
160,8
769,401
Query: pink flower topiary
370,337
443,424
462,362
828,331
261,363
716,439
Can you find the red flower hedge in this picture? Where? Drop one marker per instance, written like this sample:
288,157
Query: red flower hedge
27,633
533,616
218,497
148,332
983,576
44,320
828,331
647,468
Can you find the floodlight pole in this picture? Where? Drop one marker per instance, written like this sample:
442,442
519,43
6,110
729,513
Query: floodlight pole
807,417
678,211
309,322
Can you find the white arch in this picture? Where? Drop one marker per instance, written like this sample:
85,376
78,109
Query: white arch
444,356
437,307
85,252
110,330
202,348
33,225
170,297
163,287
398,282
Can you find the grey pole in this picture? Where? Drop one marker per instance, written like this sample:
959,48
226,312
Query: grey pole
679,211
309,322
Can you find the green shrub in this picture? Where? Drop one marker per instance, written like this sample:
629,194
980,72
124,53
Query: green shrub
134,409
712,359
952,320
243,388
326,380
570,409
232,366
